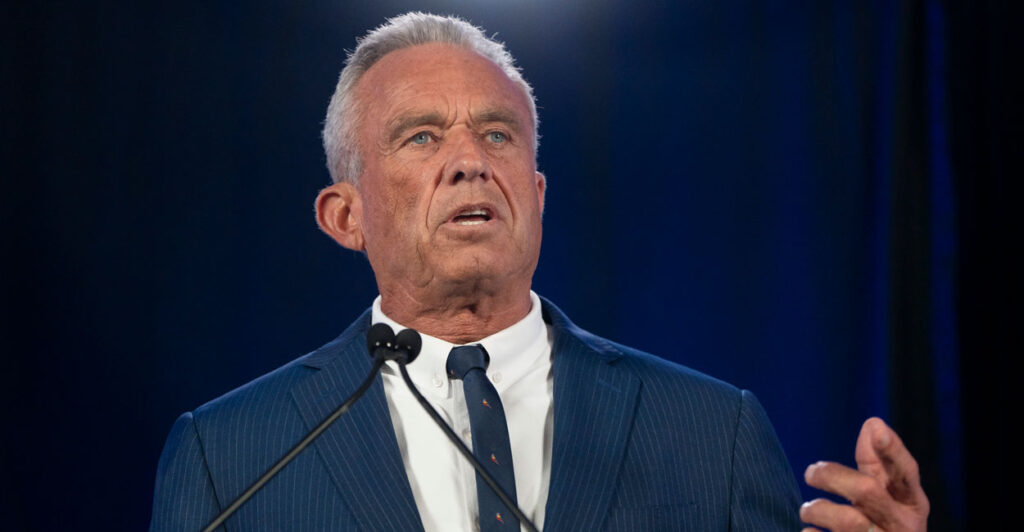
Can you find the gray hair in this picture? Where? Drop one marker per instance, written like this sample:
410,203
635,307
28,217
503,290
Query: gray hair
403,31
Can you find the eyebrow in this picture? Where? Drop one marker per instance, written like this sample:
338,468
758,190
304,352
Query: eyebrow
400,124
501,115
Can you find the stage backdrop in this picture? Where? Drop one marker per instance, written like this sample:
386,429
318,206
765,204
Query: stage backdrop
762,192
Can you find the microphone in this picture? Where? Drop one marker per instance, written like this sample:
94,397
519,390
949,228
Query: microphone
409,344
380,336
380,342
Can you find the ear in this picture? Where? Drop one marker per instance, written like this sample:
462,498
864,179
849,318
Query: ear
339,213
541,188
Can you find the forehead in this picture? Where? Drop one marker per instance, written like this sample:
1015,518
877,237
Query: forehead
436,74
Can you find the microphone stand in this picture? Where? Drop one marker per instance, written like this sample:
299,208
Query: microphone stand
466,452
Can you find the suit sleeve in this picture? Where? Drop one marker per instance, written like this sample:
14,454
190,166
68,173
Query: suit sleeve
184,497
764,494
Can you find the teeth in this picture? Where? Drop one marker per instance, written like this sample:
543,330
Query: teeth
472,217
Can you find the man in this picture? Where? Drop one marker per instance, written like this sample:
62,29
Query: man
431,143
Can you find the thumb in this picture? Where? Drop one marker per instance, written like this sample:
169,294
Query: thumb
874,439
901,473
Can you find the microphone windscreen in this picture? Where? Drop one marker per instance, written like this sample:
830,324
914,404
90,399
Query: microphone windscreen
380,335
409,341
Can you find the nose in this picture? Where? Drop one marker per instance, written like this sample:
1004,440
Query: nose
467,159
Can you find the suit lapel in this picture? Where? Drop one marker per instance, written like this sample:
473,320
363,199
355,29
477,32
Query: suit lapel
594,404
360,450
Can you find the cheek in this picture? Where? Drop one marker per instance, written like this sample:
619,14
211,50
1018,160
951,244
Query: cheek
529,197
412,191
401,205
378,212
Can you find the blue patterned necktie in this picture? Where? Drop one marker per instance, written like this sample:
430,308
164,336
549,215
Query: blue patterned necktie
490,435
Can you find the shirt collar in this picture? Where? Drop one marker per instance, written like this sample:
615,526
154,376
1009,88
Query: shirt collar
513,351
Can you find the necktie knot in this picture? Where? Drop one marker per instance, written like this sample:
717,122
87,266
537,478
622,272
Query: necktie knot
464,358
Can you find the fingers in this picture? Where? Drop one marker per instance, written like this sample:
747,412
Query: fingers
859,488
885,489
836,517
868,494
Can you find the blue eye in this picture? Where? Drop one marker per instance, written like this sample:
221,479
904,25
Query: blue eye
420,138
497,137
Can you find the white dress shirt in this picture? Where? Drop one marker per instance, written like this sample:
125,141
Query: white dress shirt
443,482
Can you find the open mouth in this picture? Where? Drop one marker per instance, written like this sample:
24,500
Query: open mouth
474,216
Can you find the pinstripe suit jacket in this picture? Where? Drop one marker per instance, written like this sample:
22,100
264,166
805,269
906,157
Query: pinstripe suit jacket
639,444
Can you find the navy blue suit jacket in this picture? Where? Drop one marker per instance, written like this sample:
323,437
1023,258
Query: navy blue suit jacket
639,444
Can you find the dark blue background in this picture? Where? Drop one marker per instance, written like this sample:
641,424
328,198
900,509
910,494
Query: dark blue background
725,190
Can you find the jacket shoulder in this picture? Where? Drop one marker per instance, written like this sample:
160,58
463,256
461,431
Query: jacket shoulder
654,369
250,403
649,368
656,373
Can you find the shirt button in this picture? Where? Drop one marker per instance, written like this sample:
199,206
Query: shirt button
496,378
467,435
437,382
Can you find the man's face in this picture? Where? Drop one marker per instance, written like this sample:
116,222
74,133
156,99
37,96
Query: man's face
449,190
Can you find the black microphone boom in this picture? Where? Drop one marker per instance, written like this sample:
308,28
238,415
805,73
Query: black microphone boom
379,337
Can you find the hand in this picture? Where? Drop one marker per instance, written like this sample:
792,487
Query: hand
884,491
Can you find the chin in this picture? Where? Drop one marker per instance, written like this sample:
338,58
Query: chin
471,272
474,270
